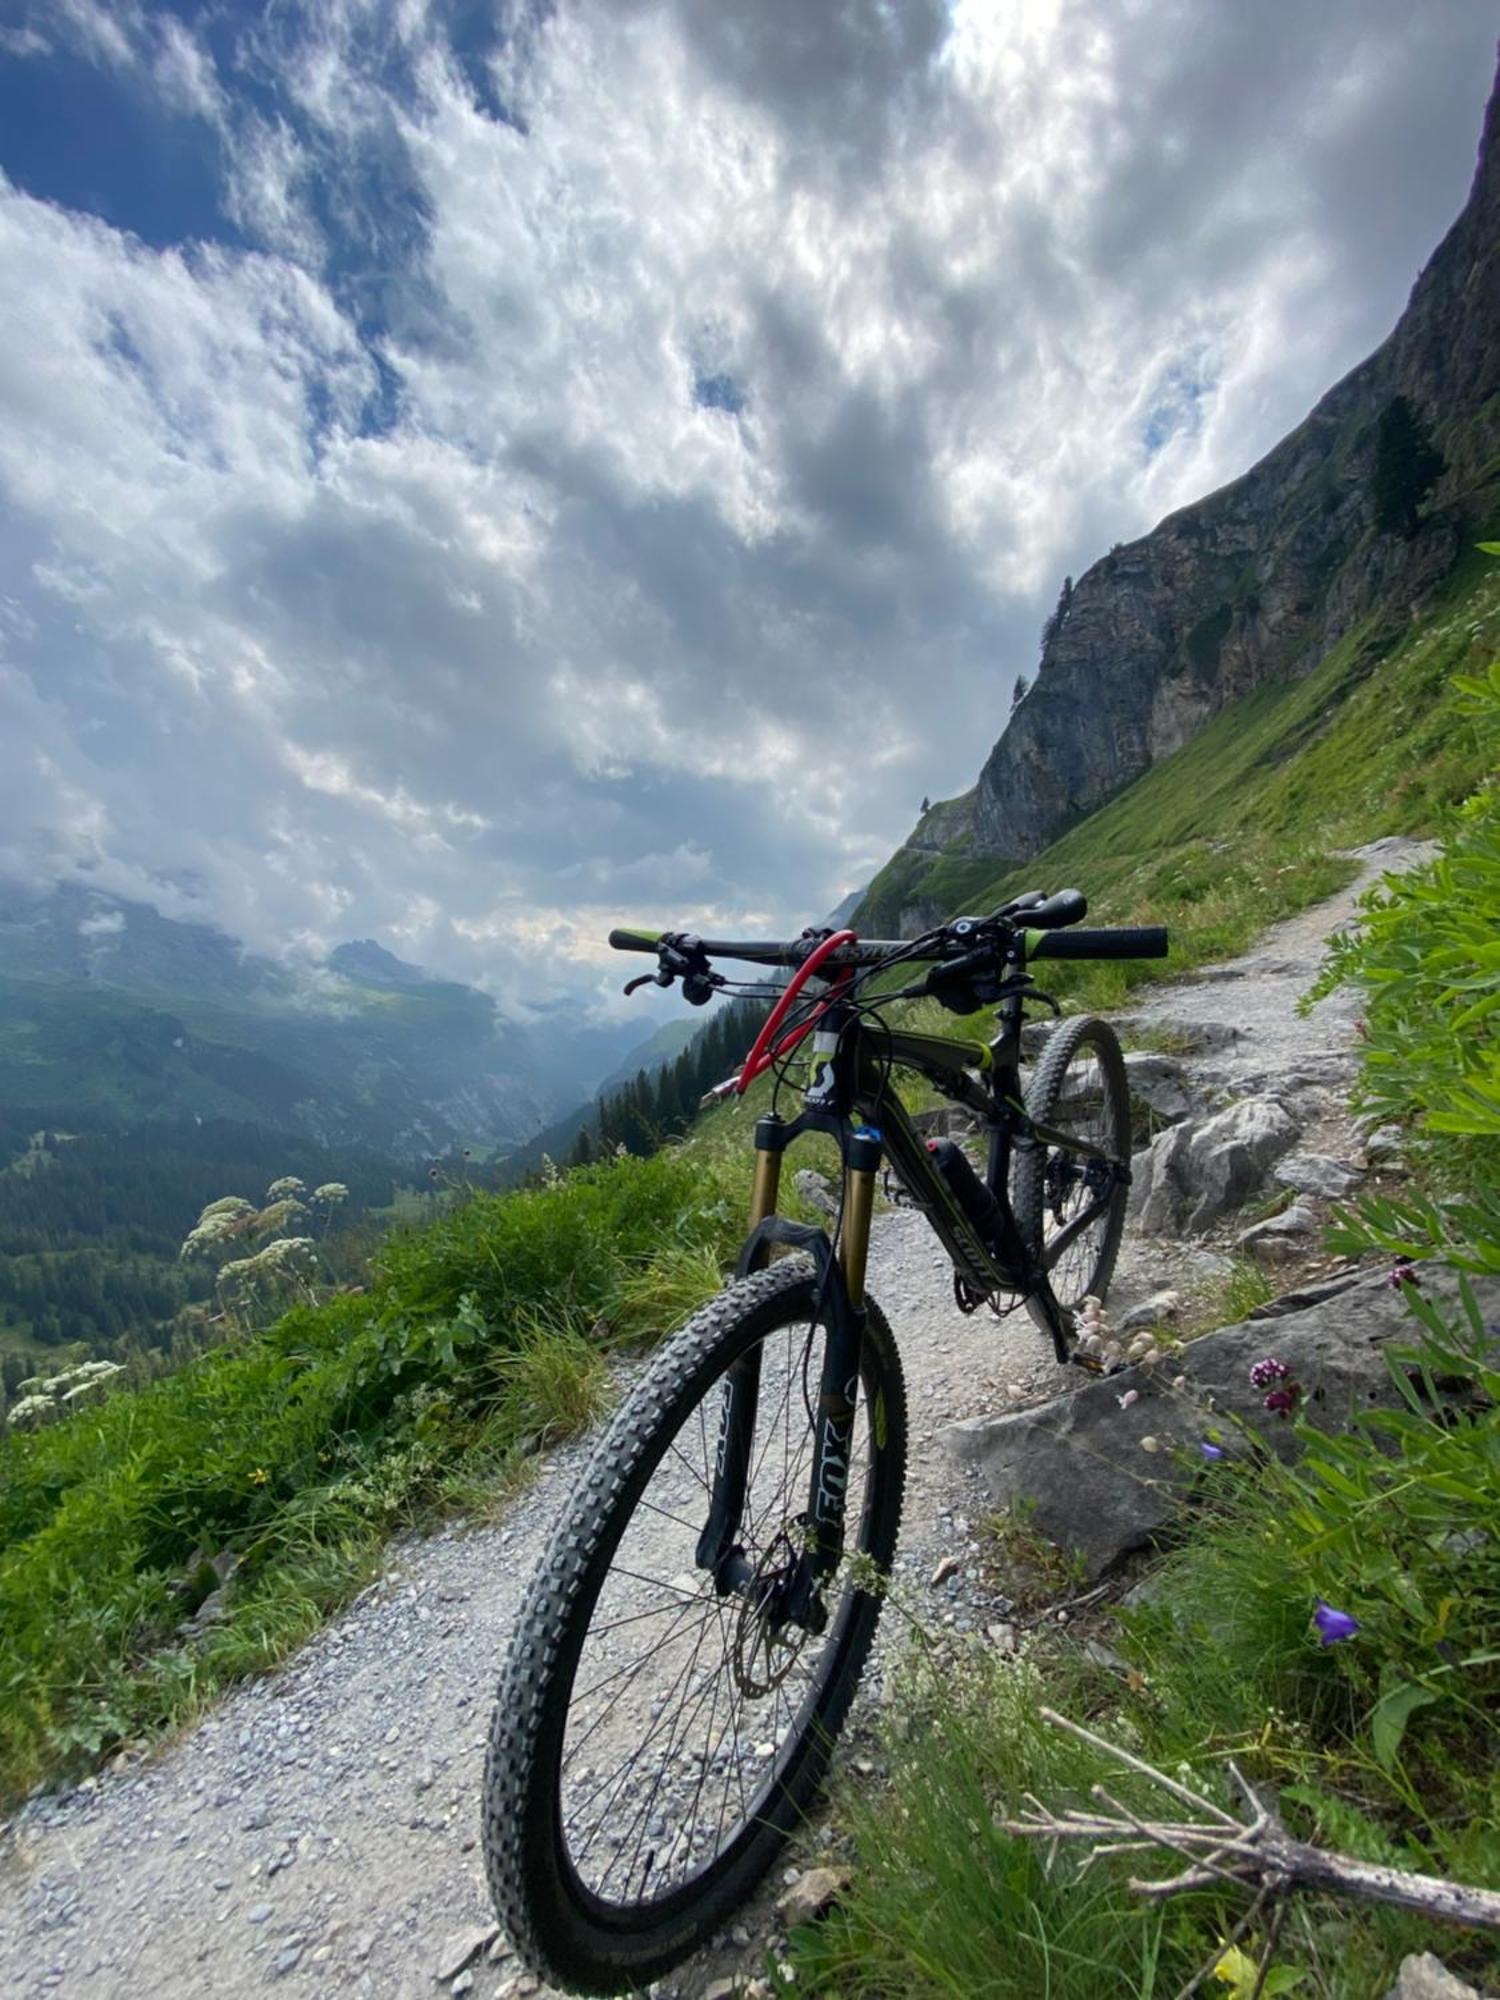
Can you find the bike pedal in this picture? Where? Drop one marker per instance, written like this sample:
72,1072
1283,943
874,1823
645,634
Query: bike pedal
1089,1363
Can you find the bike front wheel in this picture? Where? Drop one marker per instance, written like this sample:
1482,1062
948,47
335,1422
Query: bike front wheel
1079,1089
653,1746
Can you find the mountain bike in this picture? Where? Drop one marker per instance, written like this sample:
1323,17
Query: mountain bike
690,1643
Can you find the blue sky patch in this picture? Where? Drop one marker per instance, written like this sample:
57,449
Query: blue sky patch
719,392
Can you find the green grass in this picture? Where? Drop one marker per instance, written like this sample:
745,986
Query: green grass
480,1341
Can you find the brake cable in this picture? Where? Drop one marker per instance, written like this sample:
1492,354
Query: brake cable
759,1059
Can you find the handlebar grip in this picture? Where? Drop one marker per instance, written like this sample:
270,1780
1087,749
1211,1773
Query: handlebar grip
634,940
1148,942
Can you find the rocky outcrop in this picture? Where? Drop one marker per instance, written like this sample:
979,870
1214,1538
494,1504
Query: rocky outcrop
1103,1472
1197,1171
1251,585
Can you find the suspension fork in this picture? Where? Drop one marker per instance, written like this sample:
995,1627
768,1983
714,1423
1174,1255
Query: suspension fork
718,1549
841,1287
838,1392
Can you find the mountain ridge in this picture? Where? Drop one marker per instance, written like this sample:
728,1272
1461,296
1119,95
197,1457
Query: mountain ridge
130,1016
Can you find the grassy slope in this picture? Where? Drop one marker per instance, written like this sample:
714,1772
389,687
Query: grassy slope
1238,827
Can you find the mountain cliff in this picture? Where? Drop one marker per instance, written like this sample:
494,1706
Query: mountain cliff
1253,585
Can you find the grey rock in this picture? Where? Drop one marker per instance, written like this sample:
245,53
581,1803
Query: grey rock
942,1121
816,1190
1197,1171
1423,1976
1162,1084
1281,1235
1103,1480
1385,1145
1316,1173
1304,1296
1150,1312
462,1949
815,1891
286,1960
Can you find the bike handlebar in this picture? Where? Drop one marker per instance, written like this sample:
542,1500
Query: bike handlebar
1146,942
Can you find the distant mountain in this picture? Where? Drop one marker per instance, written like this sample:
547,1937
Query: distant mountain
115,1012
669,1041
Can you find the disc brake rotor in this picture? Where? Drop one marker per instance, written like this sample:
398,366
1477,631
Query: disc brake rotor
767,1646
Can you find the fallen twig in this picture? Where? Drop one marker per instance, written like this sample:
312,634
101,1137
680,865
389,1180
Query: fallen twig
1256,1853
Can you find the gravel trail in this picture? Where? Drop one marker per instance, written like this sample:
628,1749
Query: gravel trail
317,1834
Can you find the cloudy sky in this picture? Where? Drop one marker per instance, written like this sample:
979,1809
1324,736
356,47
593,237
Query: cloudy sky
472,472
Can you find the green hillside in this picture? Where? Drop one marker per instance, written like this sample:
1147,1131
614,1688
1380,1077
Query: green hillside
1240,826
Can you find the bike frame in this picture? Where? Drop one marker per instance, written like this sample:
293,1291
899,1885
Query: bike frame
850,1096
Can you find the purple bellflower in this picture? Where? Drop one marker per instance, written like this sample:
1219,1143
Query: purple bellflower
1333,1625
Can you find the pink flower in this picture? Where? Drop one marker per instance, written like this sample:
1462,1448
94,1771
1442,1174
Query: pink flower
1270,1370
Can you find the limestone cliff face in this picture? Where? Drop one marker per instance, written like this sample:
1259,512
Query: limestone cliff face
1256,582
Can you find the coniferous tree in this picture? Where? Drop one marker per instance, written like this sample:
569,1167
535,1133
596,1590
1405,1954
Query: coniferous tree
1407,467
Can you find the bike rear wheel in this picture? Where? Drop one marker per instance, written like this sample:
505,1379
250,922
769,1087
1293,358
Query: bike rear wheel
1078,1088
652,1747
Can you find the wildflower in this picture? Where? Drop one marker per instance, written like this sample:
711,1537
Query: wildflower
1210,1451
260,1476
1237,1969
1130,1396
330,1192
30,1411
1282,1402
1333,1625
288,1185
1270,1370
1399,1275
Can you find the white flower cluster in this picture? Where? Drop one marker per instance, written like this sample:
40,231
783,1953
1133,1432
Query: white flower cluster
49,1396
289,1257
330,1193
278,1214
287,1187
222,1220
30,1412
1098,1339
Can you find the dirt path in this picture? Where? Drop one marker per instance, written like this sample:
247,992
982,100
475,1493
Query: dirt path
317,1834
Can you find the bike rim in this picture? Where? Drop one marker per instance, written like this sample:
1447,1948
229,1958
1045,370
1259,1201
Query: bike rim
1085,1110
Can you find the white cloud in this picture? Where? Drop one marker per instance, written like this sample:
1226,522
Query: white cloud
630,506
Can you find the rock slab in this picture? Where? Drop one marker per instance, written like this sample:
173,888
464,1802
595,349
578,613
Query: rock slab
1104,1474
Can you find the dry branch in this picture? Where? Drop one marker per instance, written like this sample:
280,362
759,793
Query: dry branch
1256,1853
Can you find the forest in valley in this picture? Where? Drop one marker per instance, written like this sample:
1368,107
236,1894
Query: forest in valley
92,1224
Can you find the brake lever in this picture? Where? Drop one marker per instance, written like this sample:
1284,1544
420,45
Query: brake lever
660,978
681,956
